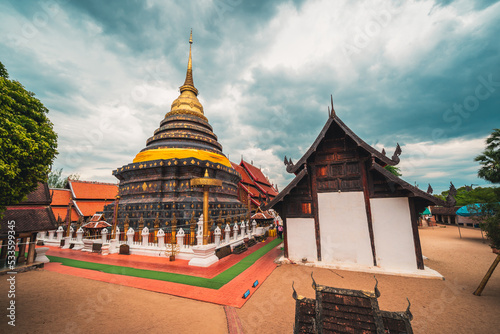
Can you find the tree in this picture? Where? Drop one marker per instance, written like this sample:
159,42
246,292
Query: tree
56,180
394,170
27,141
466,195
490,159
490,213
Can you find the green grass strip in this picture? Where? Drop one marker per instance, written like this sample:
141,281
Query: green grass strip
212,283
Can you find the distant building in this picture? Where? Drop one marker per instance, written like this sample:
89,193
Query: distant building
343,206
84,197
445,215
254,185
27,218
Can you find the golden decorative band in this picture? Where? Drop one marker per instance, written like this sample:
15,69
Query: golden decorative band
181,153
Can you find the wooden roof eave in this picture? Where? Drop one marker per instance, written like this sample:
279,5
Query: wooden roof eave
405,185
380,158
286,190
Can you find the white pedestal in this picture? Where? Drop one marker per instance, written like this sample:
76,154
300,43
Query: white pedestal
78,245
105,249
204,256
40,254
66,242
87,245
114,246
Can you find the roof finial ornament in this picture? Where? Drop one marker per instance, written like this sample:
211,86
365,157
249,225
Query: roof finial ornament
188,83
397,153
333,109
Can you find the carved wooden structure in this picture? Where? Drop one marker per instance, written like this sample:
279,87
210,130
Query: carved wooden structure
340,162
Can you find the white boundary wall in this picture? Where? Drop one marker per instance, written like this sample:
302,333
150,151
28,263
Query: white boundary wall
393,233
301,239
344,228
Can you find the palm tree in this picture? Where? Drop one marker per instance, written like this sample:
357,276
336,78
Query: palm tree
490,159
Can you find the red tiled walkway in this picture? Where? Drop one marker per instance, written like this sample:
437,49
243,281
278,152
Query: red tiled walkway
230,294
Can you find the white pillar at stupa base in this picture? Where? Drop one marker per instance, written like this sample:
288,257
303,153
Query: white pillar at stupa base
204,256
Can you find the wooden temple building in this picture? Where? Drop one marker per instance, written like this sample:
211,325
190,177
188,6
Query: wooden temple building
81,199
344,207
157,184
254,185
24,220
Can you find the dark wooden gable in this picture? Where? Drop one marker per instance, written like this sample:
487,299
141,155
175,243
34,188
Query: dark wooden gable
337,162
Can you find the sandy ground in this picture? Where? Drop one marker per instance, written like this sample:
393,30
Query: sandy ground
48,302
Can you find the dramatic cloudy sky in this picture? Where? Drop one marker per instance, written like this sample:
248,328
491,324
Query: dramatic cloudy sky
424,73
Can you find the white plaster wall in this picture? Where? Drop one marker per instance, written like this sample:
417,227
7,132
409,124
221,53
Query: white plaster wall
301,239
393,234
344,228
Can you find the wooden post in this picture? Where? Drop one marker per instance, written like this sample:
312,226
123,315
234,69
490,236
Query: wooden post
31,249
21,258
115,218
416,237
368,209
486,277
314,194
69,219
205,215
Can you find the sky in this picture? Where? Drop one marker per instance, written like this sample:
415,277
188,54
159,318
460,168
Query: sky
424,74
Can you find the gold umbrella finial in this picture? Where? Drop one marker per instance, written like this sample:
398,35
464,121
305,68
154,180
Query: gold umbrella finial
191,37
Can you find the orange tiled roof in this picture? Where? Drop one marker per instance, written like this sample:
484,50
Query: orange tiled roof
93,190
62,212
88,208
100,224
60,197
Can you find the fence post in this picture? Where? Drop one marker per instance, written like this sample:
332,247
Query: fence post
235,231
130,237
79,235
180,237
59,232
217,233
242,225
104,235
160,235
227,231
145,236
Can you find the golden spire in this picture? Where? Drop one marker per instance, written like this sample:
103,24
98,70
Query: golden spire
188,83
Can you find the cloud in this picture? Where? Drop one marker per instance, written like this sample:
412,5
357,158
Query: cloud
404,72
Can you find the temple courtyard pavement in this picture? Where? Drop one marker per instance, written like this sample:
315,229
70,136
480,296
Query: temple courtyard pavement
63,299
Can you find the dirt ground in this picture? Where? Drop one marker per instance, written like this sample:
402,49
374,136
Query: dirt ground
48,302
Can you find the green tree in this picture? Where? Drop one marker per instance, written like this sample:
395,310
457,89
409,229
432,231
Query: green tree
27,141
55,179
490,159
394,170
466,195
